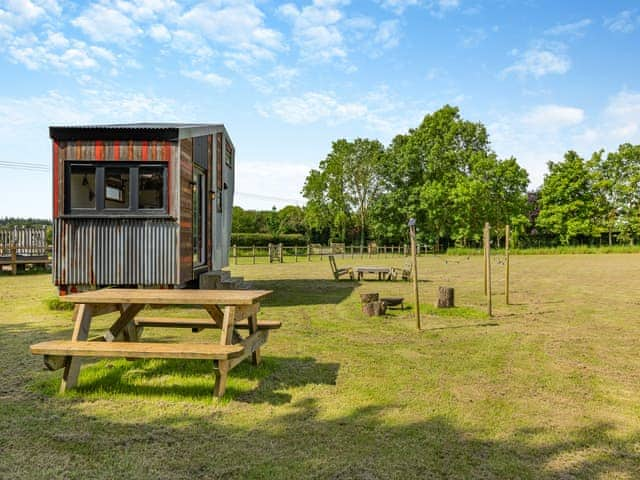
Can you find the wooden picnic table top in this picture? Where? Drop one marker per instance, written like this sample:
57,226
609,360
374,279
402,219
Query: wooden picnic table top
168,296
373,269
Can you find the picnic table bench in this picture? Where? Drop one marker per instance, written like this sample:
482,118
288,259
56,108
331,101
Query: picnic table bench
228,310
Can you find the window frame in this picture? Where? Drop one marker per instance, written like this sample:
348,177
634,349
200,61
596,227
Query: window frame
134,189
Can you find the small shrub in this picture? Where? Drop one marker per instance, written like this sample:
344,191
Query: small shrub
54,303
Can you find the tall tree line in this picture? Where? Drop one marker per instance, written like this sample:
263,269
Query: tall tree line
445,174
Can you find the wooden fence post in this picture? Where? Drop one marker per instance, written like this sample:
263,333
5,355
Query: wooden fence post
235,253
308,252
253,253
280,251
412,235
484,252
507,233
488,266
14,259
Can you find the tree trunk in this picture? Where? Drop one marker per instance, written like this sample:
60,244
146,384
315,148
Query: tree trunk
374,309
369,297
445,297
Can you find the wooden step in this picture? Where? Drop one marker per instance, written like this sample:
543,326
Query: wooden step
206,351
200,323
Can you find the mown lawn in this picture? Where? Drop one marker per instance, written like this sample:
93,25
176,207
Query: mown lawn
548,387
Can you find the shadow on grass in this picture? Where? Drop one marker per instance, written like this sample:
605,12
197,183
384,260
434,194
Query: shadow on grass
294,292
474,325
194,379
299,442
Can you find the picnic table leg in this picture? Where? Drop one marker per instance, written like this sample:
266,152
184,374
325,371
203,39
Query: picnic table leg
226,338
82,321
124,326
253,328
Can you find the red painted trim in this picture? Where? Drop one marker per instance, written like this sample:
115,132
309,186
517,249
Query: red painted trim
56,172
116,150
99,148
166,151
130,152
145,151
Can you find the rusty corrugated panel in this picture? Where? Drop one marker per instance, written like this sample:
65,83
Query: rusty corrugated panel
111,251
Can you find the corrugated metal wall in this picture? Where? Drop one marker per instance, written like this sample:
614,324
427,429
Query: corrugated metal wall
115,252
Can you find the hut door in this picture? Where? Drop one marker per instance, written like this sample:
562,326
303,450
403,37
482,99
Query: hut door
199,216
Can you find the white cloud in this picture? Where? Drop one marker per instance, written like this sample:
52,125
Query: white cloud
237,24
624,22
388,34
210,78
58,52
312,107
159,33
623,113
378,110
191,43
553,117
279,78
316,29
576,28
102,23
437,8
539,61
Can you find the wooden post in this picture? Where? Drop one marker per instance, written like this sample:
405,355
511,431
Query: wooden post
281,249
253,253
235,253
507,232
484,252
14,259
488,267
295,253
412,234
308,252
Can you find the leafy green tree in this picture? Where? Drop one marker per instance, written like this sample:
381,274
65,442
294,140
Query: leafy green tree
291,220
344,185
617,180
568,202
445,175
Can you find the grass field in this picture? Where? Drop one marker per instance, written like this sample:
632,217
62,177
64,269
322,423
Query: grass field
548,387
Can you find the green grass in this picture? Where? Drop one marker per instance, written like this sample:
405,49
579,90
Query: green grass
546,388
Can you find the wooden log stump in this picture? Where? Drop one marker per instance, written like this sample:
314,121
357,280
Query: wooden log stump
445,297
369,297
374,309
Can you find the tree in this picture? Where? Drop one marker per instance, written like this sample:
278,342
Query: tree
445,175
291,220
568,203
617,180
344,185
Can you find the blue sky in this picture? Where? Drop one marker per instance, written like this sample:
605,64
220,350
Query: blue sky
288,78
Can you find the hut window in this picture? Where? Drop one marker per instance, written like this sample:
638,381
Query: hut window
82,187
116,187
129,188
150,187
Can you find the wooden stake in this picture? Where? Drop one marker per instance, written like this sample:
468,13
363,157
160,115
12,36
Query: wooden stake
507,232
488,266
484,251
412,235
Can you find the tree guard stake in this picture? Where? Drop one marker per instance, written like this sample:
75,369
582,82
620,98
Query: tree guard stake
412,235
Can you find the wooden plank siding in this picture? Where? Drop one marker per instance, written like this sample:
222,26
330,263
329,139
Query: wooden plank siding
186,210
209,225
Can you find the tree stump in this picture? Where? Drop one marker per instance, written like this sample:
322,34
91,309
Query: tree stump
368,297
445,297
374,309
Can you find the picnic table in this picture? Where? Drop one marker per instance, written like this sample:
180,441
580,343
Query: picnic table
228,310
383,272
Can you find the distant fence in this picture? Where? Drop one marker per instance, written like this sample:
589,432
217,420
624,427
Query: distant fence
20,246
278,253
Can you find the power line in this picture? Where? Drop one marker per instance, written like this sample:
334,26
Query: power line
32,167
268,197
